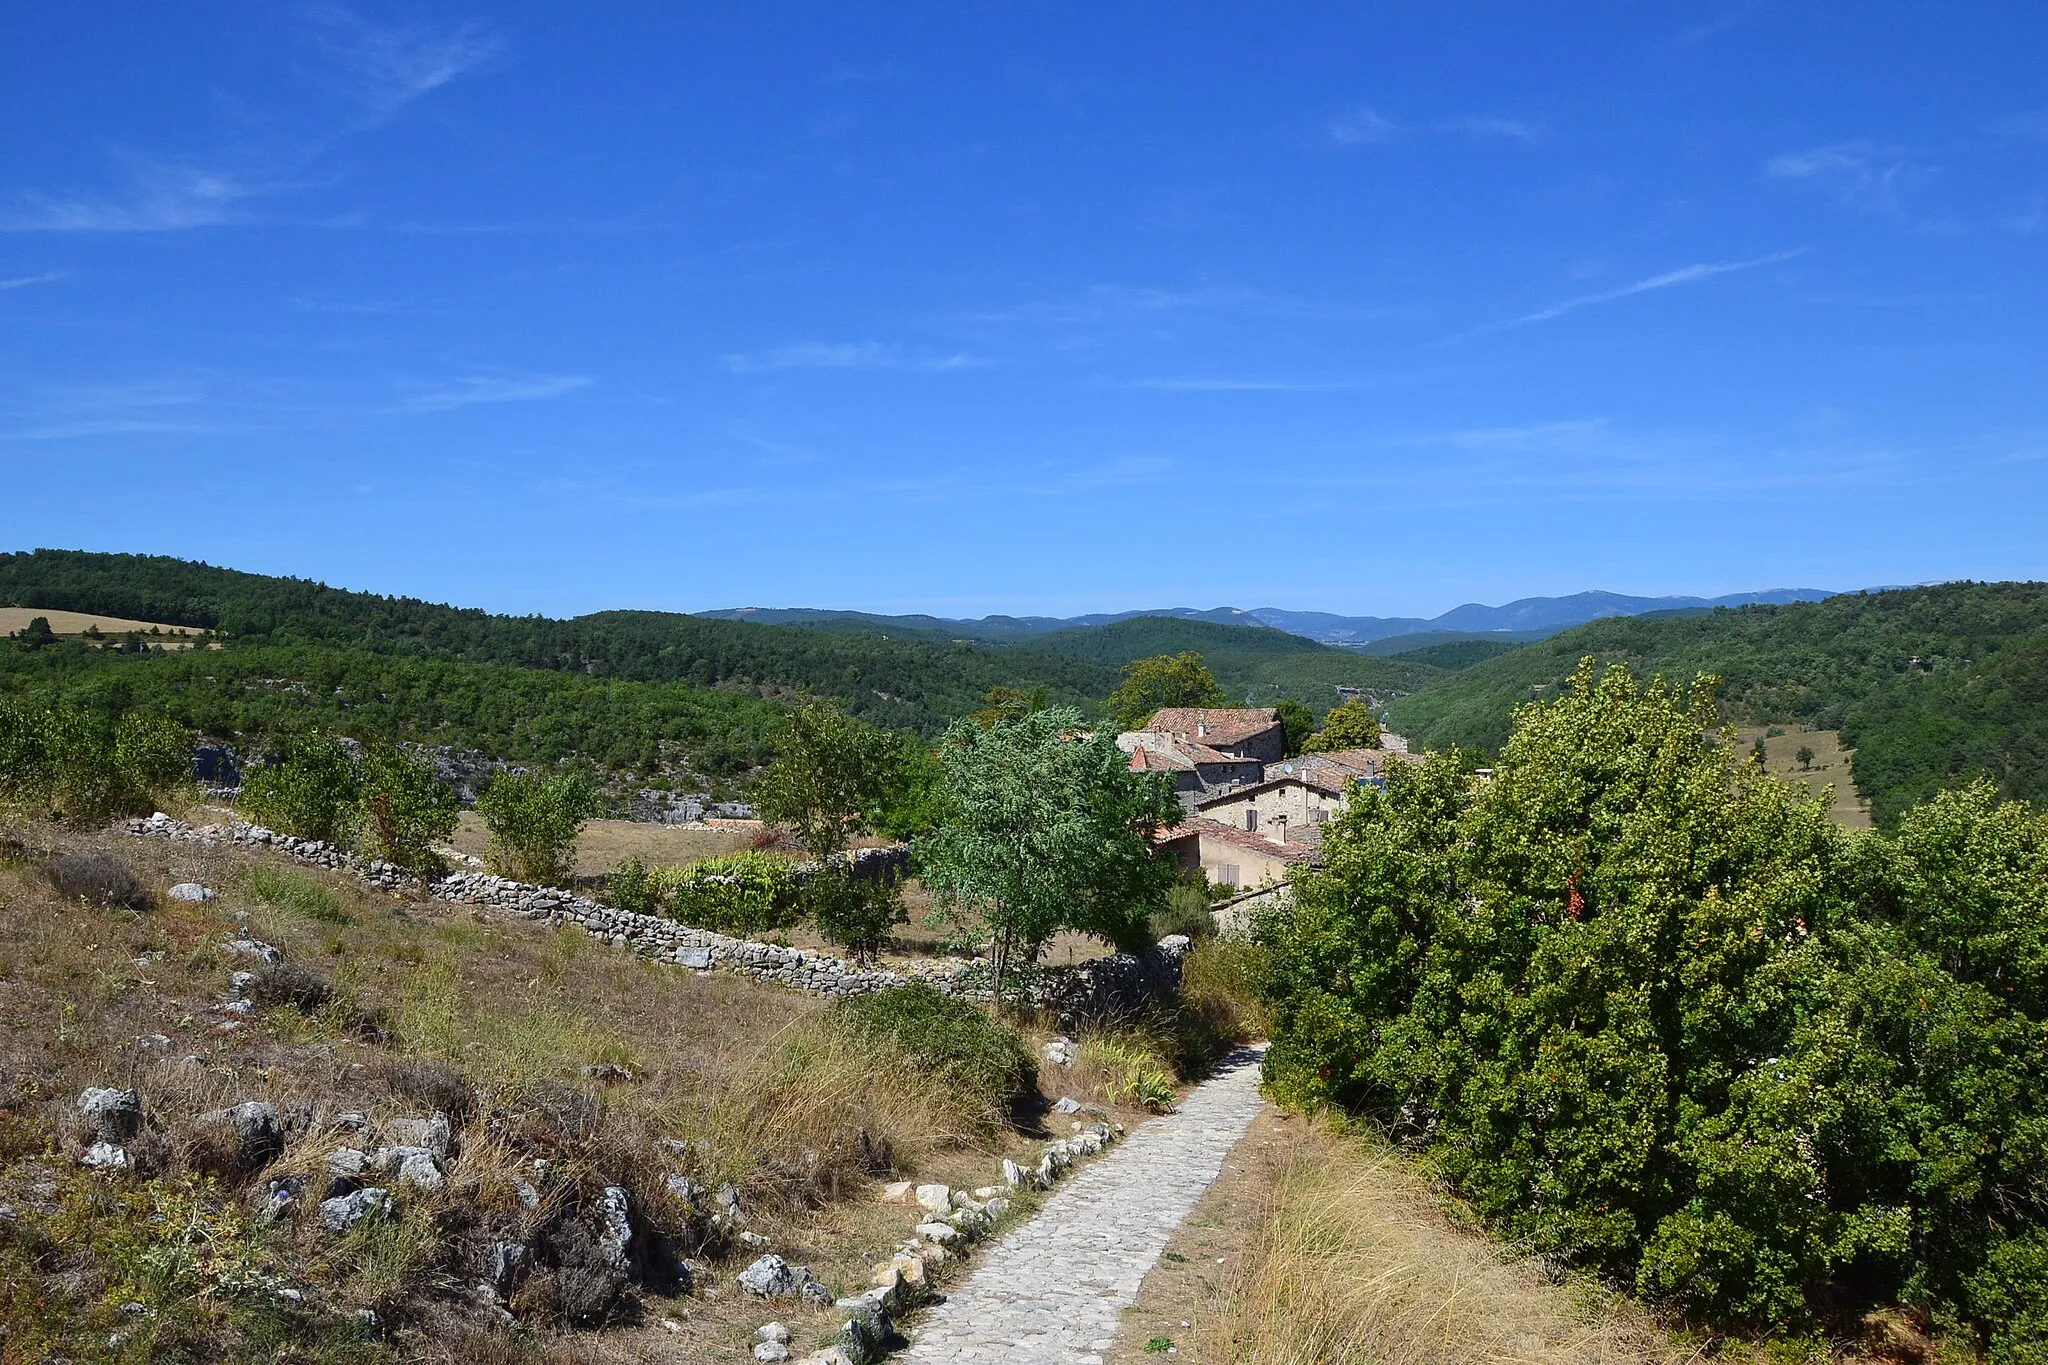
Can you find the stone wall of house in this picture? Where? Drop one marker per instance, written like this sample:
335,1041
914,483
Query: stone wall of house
1102,988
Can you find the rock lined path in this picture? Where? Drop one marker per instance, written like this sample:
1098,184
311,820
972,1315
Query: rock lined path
1051,1292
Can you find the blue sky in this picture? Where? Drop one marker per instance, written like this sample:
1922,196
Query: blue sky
973,308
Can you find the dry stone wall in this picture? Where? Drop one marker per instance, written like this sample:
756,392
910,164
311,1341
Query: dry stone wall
1102,988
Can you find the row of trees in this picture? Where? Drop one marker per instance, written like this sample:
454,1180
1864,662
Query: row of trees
1655,1013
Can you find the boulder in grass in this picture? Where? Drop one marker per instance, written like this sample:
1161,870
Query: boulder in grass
771,1277
111,1116
191,891
345,1211
246,1135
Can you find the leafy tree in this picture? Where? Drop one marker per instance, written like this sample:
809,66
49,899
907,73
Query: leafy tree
1164,680
1298,722
1658,1015
1009,703
534,819
405,809
829,775
1805,756
913,791
311,791
1350,726
37,633
1045,830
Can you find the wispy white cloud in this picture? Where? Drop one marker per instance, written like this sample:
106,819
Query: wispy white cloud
1482,126
1859,172
163,196
1688,274
487,388
24,281
859,355
109,426
385,69
1361,126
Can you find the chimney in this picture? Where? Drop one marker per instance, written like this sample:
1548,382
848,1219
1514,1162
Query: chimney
1279,827
1202,729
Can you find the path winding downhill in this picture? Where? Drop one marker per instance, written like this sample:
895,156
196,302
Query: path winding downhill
1051,1292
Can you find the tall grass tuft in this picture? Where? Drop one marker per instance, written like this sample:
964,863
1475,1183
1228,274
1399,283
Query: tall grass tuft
297,893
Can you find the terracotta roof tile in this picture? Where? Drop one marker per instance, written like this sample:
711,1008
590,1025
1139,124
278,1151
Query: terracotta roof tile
1214,724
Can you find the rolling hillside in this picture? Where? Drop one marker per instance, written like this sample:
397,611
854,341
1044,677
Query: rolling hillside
904,684
1930,686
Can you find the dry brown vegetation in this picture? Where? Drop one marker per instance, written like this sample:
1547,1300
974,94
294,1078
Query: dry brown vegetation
1317,1246
13,619
1830,766
537,1042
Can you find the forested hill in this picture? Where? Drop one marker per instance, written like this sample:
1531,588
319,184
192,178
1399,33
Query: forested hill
1931,686
906,684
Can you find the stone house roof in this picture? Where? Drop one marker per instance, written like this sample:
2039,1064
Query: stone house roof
1294,851
1217,726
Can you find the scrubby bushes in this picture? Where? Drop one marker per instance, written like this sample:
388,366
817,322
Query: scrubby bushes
534,819
1653,1012
384,803
985,1062
97,878
85,767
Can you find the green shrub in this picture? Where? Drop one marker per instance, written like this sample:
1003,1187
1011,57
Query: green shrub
310,792
404,810
1657,1015
630,886
940,1034
850,912
1186,912
745,893
534,819
85,767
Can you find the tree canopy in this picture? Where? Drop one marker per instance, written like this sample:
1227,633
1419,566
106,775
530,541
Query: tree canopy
1350,726
1163,680
1045,830
1658,1015
829,777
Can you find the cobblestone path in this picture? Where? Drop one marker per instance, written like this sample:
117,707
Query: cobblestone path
1050,1293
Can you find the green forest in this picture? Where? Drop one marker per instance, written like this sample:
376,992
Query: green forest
1932,687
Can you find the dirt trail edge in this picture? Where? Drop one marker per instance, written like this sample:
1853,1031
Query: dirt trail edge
1051,1292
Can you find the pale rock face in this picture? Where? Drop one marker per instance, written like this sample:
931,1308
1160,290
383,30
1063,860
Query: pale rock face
111,1116
942,1233
191,891
897,1192
343,1212
934,1198
1066,1104
105,1156
431,1133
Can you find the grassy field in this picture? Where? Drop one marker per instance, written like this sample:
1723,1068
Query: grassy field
1829,766
559,1046
13,619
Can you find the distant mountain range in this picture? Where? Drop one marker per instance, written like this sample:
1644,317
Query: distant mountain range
1529,618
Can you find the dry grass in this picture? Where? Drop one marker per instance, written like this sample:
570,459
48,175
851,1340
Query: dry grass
604,844
573,1051
13,619
1353,1258
1830,766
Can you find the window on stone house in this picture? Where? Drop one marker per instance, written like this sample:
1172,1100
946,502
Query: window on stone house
1251,817
1319,815
1226,875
